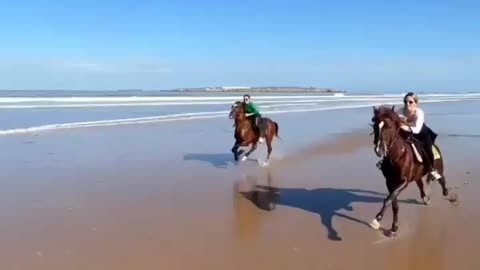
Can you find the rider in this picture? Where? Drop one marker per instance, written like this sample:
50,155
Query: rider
252,113
414,123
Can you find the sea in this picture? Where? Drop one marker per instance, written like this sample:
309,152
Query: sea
37,111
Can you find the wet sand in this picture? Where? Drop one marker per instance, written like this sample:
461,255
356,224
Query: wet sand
145,197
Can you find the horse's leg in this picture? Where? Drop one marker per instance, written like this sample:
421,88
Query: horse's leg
443,183
425,198
393,194
395,208
254,146
269,149
235,150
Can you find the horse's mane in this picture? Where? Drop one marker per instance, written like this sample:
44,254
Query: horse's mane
238,103
385,111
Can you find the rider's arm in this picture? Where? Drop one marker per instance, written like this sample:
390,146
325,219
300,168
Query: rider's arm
416,126
252,109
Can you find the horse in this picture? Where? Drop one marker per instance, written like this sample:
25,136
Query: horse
246,135
400,165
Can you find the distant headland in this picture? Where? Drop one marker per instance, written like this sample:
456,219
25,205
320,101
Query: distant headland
276,89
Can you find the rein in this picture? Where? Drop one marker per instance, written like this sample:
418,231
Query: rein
387,147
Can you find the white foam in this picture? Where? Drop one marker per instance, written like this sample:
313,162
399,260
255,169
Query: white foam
184,116
12,103
139,104
258,96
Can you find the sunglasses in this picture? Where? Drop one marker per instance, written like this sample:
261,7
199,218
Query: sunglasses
408,102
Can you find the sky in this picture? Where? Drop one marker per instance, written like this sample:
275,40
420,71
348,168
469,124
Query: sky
153,45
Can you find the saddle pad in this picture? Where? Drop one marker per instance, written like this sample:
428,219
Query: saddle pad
436,154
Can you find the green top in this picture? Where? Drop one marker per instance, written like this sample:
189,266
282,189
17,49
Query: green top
251,108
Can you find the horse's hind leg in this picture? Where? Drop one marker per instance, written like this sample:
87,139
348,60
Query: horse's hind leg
448,193
443,183
452,197
269,150
425,198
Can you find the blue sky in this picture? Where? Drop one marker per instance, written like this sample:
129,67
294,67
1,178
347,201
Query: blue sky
348,45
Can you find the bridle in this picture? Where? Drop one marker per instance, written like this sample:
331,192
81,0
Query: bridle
234,110
381,140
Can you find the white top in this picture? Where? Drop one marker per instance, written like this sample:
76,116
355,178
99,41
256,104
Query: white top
415,121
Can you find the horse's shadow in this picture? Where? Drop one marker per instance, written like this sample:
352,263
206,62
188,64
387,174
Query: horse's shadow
326,202
221,160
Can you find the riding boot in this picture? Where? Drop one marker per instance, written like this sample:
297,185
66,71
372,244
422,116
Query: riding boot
431,163
427,141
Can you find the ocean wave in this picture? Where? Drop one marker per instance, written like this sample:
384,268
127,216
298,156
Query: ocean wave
188,116
266,101
141,104
257,96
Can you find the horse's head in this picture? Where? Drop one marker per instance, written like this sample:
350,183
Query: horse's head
236,110
386,126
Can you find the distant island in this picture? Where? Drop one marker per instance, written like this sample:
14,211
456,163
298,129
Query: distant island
276,89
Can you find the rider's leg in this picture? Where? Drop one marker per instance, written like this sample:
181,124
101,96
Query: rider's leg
428,144
253,123
261,139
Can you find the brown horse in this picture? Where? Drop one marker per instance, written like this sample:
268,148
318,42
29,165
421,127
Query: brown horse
245,134
400,165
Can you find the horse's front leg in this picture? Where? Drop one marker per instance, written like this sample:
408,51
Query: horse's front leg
395,208
393,194
254,146
235,150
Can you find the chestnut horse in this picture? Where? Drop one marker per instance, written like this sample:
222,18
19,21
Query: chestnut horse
399,165
245,135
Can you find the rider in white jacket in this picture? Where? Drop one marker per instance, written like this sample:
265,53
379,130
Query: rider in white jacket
414,122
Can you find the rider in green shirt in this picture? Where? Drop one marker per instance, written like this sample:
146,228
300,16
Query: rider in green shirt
252,113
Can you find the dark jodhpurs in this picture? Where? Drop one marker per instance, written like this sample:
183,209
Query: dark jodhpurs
427,137
254,120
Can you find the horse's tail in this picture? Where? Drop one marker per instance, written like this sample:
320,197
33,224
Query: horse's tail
276,130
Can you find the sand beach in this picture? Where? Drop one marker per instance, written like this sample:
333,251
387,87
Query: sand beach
168,195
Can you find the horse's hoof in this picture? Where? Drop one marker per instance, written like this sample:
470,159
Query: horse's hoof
452,197
263,163
426,200
271,206
375,224
244,158
391,234
447,191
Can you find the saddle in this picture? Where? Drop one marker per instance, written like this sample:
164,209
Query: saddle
420,155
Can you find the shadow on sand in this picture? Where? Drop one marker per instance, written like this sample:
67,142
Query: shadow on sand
326,202
217,160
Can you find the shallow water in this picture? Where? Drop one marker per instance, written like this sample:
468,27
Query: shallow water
33,114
